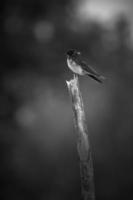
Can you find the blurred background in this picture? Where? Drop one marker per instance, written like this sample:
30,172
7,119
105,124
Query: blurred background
38,155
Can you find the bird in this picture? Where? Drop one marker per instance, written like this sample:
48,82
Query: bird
79,67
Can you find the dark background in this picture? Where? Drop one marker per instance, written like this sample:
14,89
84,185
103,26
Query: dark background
38,156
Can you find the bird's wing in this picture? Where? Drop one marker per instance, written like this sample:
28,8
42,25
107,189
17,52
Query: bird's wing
88,68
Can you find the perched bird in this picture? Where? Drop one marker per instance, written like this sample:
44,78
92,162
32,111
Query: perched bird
80,67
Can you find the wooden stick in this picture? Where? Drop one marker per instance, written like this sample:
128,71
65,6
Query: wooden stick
83,145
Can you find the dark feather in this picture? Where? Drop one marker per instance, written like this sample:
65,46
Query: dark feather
97,78
88,68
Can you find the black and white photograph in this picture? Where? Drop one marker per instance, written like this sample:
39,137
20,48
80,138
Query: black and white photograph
66,99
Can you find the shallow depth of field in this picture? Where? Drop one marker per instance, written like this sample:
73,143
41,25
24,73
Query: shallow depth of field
38,156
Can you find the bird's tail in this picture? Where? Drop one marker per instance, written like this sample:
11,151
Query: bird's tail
98,78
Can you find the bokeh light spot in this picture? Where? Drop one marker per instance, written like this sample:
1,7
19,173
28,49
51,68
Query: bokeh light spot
101,10
26,116
43,31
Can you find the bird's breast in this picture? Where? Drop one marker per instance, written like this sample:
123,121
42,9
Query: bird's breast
75,67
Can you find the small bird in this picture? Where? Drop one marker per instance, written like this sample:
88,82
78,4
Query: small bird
80,67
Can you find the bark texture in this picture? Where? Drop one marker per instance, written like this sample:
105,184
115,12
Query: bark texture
83,144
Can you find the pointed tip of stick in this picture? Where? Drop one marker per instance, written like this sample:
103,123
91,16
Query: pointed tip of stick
72,81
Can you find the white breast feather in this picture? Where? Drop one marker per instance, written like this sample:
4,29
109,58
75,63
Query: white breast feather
74,67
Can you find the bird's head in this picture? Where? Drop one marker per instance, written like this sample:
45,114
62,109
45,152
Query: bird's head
73,52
